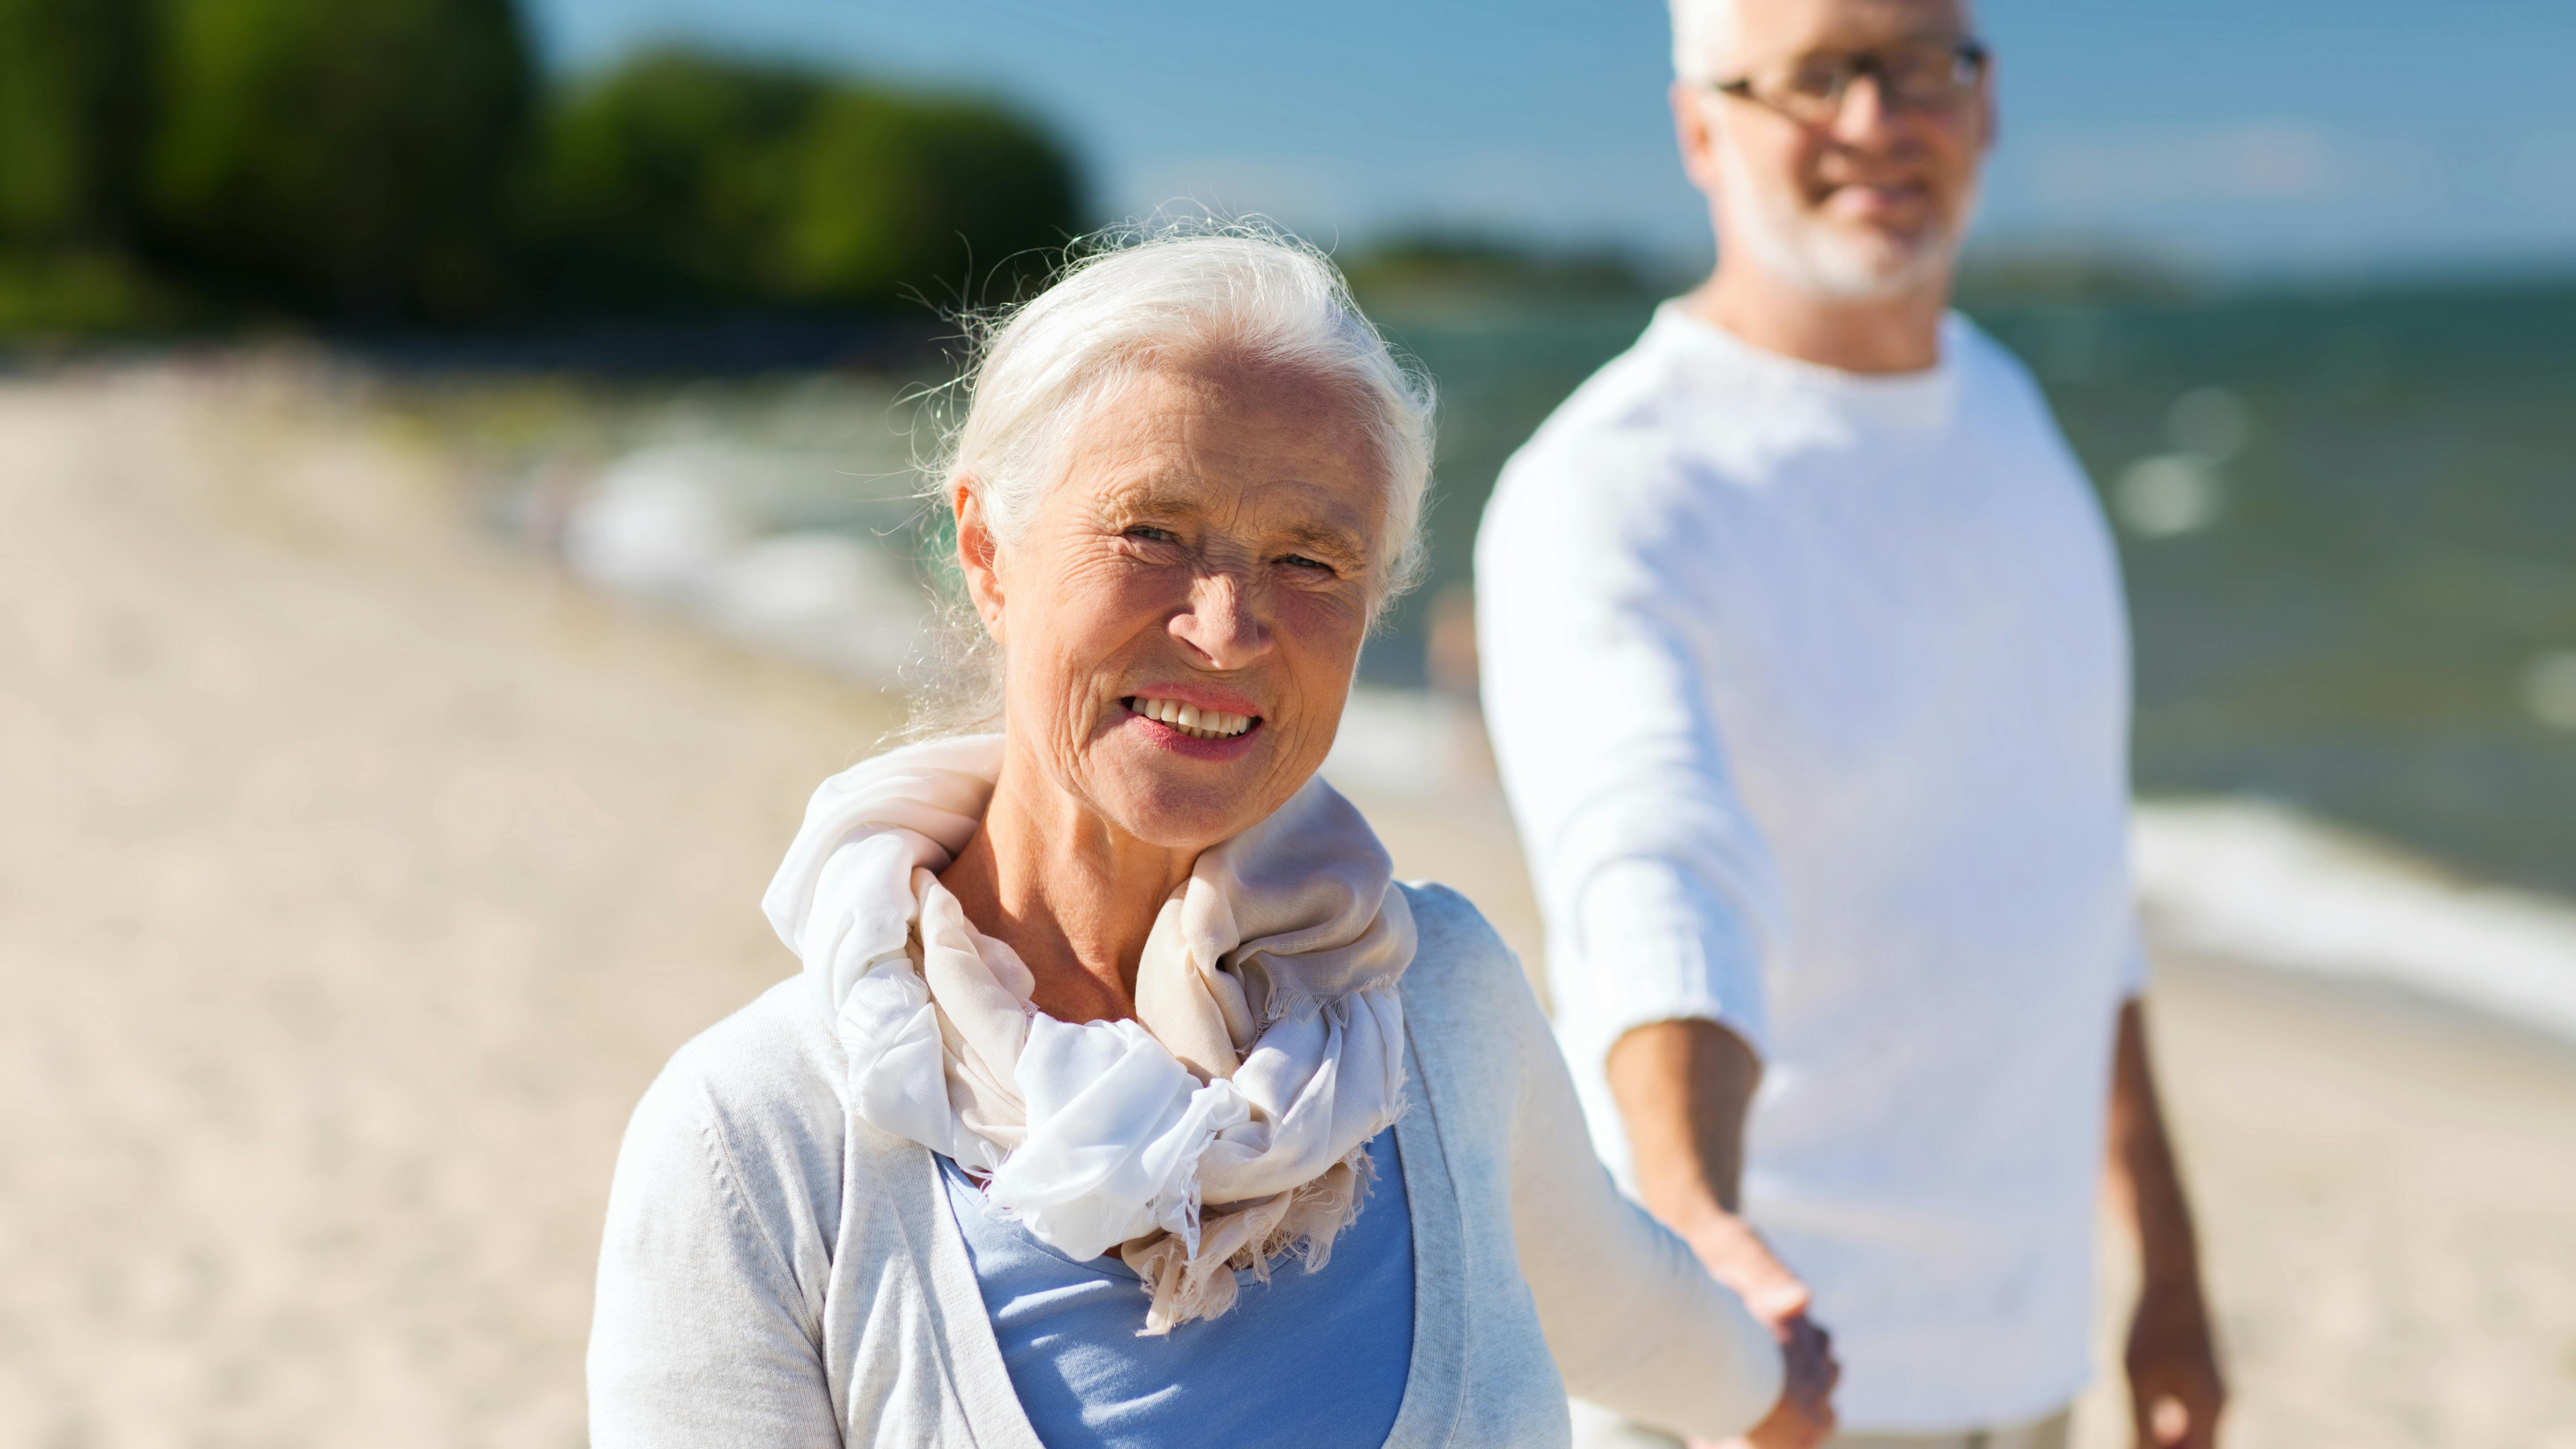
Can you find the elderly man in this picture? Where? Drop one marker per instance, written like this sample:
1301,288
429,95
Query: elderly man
1807,671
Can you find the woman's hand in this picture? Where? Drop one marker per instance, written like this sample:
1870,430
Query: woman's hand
1804,1417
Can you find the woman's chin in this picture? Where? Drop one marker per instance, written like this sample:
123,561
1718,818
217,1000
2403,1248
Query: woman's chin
1154,738
1178,791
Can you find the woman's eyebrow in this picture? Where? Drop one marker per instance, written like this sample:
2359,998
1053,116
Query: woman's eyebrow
1170,498
1328,537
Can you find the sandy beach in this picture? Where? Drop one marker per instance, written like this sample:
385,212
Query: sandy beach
359,870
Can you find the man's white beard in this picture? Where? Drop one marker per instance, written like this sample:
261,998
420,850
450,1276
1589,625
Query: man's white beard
1803,251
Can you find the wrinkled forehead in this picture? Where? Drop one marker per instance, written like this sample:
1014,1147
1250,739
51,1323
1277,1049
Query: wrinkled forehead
1757,30
1212,433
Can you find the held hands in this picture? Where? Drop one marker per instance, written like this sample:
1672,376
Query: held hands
1737,1257
2175,1390
1804,1417
1683,1087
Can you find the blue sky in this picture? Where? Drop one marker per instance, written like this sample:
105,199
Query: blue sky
2318,136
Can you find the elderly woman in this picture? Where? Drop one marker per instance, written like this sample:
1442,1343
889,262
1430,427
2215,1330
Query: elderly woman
1124,1099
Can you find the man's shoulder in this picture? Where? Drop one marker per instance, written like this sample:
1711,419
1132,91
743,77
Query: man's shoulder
1632,410
1615,454
2015,426
1990,367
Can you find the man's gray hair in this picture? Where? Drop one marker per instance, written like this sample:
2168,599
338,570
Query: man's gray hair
1139,296
1703,31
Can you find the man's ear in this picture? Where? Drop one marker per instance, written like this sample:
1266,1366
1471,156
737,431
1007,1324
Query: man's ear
977,552
1695,136
1986,108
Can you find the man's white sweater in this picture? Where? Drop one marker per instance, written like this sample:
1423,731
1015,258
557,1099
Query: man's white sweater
1810,691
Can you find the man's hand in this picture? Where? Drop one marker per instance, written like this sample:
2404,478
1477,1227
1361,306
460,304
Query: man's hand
1736,1256
2175,1391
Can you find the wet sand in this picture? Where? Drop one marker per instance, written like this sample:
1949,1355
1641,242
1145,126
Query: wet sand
357,873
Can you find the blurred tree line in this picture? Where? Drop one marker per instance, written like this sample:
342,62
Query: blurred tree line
173,162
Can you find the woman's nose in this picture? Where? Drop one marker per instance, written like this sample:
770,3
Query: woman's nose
1223,623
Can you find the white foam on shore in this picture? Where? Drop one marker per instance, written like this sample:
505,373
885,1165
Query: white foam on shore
669,525
2256,882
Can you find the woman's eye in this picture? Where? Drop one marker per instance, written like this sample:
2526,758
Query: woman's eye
1300,561
1149,534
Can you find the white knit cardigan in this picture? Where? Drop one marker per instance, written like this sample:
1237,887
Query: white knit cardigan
777,1273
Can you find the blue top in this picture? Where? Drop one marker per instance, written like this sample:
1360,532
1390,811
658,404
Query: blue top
1316,1360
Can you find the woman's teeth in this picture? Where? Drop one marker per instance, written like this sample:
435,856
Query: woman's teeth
1189,719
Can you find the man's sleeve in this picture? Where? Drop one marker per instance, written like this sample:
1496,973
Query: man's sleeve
2137,966
1660,897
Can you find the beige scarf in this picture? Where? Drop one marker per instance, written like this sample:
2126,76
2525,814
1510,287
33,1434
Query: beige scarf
1224,1127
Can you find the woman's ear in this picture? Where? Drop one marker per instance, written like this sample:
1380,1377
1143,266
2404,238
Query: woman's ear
977,551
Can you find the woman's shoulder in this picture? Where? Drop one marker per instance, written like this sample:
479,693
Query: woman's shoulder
716,1261
1460,964
1448,927
776,1054
755,1099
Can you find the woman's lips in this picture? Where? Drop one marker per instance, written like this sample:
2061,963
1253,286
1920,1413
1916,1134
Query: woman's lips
1199,719
1191,740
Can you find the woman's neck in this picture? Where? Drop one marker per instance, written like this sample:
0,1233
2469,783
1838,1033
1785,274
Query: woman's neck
1073,895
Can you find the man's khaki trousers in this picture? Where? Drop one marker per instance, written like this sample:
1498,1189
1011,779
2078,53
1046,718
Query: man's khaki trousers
1597,1428
2048,1433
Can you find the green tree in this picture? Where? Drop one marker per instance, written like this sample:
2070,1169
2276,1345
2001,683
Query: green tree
344,157
665,181
952,197
682,179
72,112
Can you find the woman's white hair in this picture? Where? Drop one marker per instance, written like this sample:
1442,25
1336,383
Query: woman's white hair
1133,298
1703,33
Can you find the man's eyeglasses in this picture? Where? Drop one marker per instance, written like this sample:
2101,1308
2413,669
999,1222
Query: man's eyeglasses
1920,75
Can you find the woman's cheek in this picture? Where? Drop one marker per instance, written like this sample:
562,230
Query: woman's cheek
1092,609
1327,624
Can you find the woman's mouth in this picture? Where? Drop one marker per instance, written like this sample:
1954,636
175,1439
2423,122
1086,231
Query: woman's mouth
1189,719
